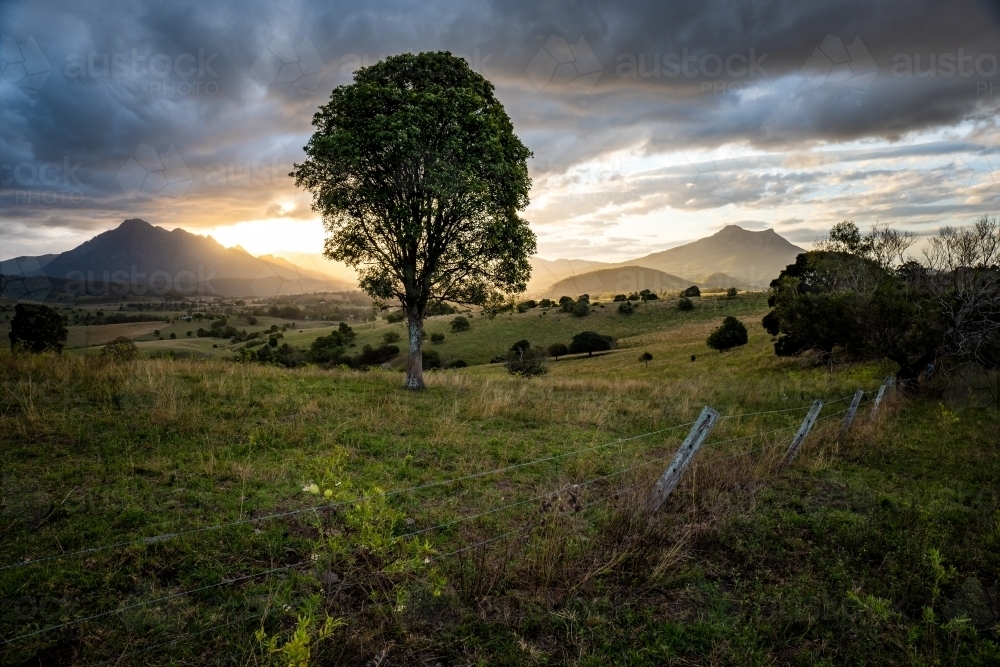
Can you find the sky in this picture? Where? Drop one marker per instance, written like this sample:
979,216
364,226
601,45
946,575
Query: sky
651,123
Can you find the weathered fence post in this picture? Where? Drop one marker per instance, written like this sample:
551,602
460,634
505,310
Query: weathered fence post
849,418
807,423
878,400
685,454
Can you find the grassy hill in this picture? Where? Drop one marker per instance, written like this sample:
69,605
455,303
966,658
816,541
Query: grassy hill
832,560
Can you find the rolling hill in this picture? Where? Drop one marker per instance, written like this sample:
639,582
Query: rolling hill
621,280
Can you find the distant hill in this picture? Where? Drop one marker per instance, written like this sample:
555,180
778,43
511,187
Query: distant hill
620,280
547,272
314,261
139,258
751,258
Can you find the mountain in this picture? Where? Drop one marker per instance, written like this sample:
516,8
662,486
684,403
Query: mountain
139,258
547,272
314,261
751,258
619,280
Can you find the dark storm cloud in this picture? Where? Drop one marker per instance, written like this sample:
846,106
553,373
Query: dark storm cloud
196,94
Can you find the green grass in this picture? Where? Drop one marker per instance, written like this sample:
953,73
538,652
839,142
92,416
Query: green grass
747,563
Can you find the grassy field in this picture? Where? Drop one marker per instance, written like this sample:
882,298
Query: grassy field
883,548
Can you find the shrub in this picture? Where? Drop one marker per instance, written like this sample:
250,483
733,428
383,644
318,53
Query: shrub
395,316
731,293
565,299
620,297
581,309
584,297
691,291
156,332
37,328
375,356
120,349
326,349
173,336
460,324
590,342
189,333
730,334
437,337
526,362
251,320
546,303
626,308
527,305
685,304
558,350
567,306
390,337
457,363
431,359
646,358
648,296
440,308
346,331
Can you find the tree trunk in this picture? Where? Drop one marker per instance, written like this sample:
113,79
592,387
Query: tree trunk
415,363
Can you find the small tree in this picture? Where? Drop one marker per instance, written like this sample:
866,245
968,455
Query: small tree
37,328
437,338
346,331
691,291
731,293
581,308
558,350
419,178
520,346
646,358
730,334
120,349
390,337
527,362
620,297
685,304
460,324
590,342
626,308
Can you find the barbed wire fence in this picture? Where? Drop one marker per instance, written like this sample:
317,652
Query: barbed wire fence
658,494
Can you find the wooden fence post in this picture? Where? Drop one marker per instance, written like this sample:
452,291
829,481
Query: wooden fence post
685,454
807,423
849,418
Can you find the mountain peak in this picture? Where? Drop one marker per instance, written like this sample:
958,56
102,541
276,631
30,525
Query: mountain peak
134,223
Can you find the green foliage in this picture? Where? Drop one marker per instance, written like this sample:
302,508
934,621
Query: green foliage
395,316
525,362
581,309
546,303
590,342
620,297
328,349
685,304
731,333
121,349
345,330
460,323
437,337
731,293
520,346
431,359
37,328
626,308
390,337
648,295
646,358
558,350
449,181
298,648
692,291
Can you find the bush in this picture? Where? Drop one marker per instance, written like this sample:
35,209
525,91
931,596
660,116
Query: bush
120,349
620,297
691,291
685,304
647,295
375,356
390,337
581,309
395,316
730,334
460,324
431,359
527,305
189,333
457,363
173,336
567,306
37,328
558,350
520,346
646,358
437,337
626,308
731,293
584,297
546,303
590,342
440,308
527,362
346,331
251,320
326,349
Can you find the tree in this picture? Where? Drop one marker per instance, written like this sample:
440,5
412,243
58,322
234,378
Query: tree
520,346
620,297
732,333
581,308
626,308
346,331
120,349
326,349
437,337
390,337
460,324
525,362
691,291
590,342
558,350
731,293
37,328
685,304
419,178
646,358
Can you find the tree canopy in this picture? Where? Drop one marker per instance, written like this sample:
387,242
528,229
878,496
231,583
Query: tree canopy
419,178
590,342
37,328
